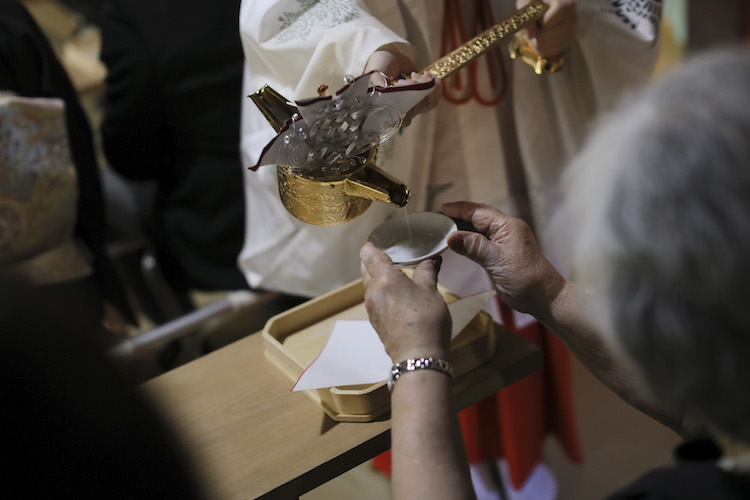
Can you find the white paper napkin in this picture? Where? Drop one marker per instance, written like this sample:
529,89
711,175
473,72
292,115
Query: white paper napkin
354,354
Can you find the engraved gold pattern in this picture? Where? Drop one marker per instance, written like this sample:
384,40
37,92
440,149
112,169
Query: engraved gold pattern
318,203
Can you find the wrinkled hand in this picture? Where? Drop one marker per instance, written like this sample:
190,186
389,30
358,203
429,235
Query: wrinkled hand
552,35
524,279
410,315
389,61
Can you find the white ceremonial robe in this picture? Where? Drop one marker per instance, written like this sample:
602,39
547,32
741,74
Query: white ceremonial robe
509,156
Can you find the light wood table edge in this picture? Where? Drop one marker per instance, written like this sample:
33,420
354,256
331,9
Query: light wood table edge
470,389
514,359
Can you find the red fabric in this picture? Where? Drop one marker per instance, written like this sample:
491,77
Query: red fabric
514,422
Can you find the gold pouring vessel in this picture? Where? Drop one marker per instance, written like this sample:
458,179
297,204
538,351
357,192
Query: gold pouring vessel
332,199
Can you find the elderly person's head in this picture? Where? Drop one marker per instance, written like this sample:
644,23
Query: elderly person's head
661,197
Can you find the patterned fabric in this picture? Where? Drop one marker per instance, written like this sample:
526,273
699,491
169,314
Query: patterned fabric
30,68
38,192
314,14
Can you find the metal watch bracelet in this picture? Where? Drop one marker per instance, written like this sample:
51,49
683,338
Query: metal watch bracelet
412,364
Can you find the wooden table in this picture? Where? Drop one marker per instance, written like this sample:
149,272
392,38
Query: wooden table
251,437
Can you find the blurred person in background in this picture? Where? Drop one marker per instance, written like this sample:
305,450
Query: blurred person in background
172,117
75,426
51,205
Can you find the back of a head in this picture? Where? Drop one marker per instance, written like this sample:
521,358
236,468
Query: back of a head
75,425
661,197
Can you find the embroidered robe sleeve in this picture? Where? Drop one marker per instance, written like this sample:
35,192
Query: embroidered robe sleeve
614,53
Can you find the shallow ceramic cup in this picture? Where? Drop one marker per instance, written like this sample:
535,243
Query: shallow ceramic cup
412,238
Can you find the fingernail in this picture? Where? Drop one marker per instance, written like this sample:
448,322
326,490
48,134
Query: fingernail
455,242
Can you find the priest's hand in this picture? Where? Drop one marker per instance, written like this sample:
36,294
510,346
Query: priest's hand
390,64
553,35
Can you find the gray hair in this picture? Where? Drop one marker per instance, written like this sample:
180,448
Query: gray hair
661,199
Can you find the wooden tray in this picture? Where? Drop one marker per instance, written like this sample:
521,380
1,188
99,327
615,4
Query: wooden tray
294,338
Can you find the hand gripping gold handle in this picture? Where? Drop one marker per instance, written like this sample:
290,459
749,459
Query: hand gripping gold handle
489,38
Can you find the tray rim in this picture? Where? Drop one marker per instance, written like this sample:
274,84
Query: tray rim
343,298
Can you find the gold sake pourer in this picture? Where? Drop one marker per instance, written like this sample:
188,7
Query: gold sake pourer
328,199
332,199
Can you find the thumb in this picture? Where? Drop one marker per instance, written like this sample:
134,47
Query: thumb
425,274
475,246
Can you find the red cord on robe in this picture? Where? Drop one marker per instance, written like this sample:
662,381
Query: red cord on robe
513,423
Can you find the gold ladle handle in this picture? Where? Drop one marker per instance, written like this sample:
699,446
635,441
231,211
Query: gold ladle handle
489,38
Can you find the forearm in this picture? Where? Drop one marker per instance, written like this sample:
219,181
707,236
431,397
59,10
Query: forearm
429,459
564,317
413,322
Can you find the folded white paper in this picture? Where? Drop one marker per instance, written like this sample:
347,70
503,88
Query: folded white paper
354,354
463,311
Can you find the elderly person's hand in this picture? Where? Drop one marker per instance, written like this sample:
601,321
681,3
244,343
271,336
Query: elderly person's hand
507,249
410,315
391,64
552,35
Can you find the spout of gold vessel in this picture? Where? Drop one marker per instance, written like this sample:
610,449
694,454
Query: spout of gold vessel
372,183
275,108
